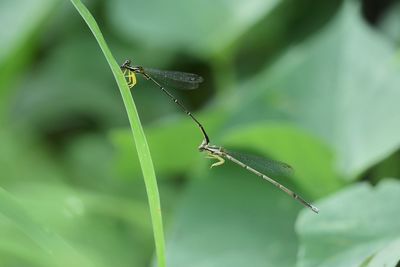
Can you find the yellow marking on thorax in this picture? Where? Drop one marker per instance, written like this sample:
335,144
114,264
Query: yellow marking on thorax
130,78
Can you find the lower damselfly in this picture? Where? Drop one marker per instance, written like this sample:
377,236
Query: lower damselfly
252,163
175,79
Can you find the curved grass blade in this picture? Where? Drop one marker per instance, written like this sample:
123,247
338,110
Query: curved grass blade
137,132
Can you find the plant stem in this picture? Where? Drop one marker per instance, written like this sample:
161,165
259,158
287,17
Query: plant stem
138,135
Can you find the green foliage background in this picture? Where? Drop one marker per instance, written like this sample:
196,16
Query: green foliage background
312,83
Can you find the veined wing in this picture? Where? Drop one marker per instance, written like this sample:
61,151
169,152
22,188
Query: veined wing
175,79
266,166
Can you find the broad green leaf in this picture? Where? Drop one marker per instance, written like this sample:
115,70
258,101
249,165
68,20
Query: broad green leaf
16,250
37,104
200,27
174,144
354,225
291,22
59,92
85,219
20,23
312,161
388,256
172,153
25,16
390,23
81,217
341,85
230,217
22,160
51,243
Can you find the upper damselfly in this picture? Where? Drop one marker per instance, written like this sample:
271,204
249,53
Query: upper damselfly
175,79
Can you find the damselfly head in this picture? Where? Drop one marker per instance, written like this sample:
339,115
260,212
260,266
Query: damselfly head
203,146
126,64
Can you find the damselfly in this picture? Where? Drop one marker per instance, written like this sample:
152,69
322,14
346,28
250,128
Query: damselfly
220,154
176,79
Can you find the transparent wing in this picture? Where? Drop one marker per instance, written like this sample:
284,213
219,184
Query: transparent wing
268,167
175,79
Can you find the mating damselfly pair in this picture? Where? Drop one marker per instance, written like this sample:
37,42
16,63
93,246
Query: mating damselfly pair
183,80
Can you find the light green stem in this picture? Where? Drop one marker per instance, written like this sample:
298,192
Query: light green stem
138,135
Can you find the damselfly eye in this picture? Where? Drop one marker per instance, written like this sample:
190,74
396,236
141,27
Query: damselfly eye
127,63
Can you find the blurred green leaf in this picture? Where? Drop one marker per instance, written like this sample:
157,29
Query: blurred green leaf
95,221
341,85
291,22
23,160
90,220
59,92
201,27
390,23
82,156
389,167
355,224
312,161
230,217
26,18
387,257
50,242
173,143
16,249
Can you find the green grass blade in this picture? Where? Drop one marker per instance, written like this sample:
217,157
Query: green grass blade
138,134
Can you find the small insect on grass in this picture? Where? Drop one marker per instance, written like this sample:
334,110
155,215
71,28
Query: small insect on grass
252,163
175,79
